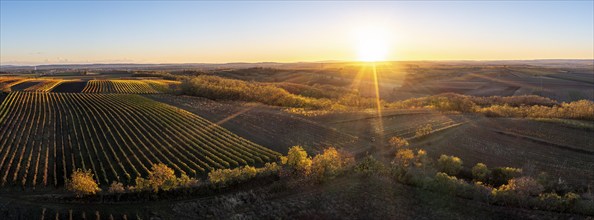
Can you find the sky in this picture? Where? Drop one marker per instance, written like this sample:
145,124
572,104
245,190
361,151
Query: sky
52,32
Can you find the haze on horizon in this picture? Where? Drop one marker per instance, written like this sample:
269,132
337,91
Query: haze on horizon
219,32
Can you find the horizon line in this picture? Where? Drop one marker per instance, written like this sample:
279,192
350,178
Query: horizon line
307,62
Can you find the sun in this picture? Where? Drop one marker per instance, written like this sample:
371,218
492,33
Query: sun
372,45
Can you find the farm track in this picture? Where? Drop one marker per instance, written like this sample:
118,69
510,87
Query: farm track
45,136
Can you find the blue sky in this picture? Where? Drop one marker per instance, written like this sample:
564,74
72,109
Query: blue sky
36,32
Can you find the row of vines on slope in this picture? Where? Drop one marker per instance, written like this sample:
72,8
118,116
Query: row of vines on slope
46,136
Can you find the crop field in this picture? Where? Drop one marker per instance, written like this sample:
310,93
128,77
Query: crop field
44,85
265,125
127,86
45,136
7,82
534,146
403,124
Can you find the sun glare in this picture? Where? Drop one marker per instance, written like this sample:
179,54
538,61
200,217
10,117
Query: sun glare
372,45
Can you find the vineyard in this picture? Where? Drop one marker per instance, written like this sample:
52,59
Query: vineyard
45,136
7,82
127,86
44,85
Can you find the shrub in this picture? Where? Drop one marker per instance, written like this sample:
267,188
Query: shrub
398,142
328,164
369,166
424,130
161,177
141,184
116,187
421,159
523,186
552,201
449,164
82,183
186,181
501,175
404,157
480,172
270,168
451,185
224,177
297,160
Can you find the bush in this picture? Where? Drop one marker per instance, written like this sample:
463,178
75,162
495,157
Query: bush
404,157
424,130
186,181
328,164
270,168
161,177
82,183
116,187
501,175
451,185
421,159
480,172
449,164
552,201
223,177
523,186
297,160
398,142
370,166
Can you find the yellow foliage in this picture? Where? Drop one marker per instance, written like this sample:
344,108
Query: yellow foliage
398,142
82,183
298,160
227,176
162,177
404,157
328,163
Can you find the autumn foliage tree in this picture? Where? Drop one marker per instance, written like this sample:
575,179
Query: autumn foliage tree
161,177
328,164
81,182
297,160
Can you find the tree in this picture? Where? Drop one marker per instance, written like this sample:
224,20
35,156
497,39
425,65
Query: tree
162,177
327,164
297,160
480,172
82,183
449,164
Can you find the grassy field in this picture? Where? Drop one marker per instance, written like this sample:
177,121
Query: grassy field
45,136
